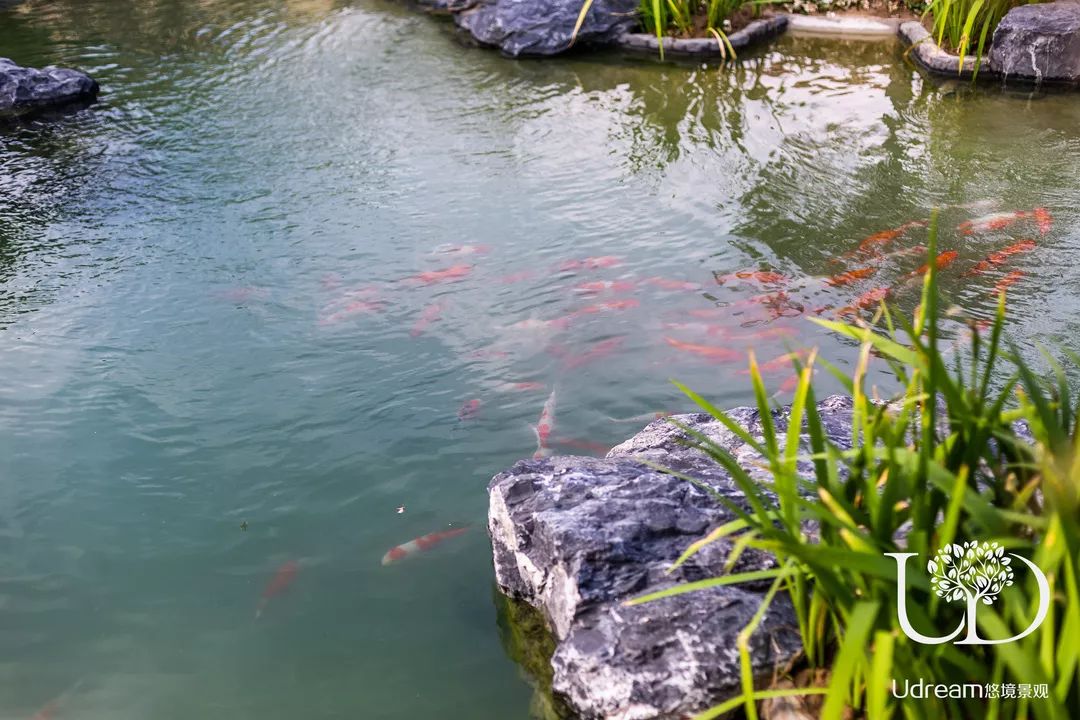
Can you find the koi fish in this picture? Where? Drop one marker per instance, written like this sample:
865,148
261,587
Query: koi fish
455,272
429,315
1043,220
601,307
461,250
779,305
599,286
48,710
870,298
352,309
647,417
281,580
846,278
544,426
419,545
560,323
520,386
942,261
586,445
871,244
668,284
517,277
599,350
720,354
762,277
999,257
1009,280
487,354
243,294
789,385
590,263
996,221
781,362
469,410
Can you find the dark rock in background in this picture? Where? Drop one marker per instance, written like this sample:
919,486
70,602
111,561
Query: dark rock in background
1040,43
25,90
545,27
575,537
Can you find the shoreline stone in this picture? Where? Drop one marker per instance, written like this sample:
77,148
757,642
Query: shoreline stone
756,32
932,58
26,90
544,27
1039,44
576,537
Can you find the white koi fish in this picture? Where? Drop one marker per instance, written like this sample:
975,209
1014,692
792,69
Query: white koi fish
544,427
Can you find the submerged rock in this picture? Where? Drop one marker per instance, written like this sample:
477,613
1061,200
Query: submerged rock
545,27
576,537
1040,43
25,89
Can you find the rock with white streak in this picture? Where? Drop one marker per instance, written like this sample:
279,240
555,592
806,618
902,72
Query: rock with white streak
1039,43
576,537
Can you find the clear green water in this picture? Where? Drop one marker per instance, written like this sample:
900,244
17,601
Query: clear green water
169,260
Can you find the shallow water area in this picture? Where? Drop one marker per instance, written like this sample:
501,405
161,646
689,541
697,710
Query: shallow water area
248,299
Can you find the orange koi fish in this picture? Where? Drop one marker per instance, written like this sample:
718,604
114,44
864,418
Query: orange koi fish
846,278
488,354
599,286
872,244
647,417
461,250
590,263
1043,220
469,410
419,545
668,284
762,277
49,710
999,257
544,427
520,386
429,315
869,299
943,261
281,580
781,362
560,323
599,350
517,277
601,307
455,272
872,297
719,354
586,445
1009,280
352,309
987,223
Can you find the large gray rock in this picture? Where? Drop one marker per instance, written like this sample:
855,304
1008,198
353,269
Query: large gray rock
545,27
575,537
1040,43
25,89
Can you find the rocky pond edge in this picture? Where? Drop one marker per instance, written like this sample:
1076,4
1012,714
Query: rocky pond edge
575,537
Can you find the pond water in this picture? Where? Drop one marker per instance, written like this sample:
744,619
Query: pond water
221,357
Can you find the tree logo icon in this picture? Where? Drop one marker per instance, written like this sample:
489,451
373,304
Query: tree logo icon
975,573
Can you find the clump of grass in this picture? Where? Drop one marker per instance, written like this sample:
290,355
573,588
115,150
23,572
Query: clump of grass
943,462
683,17
967,24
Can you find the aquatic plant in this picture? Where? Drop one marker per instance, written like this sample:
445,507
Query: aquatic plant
984,451
684,17
958,22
